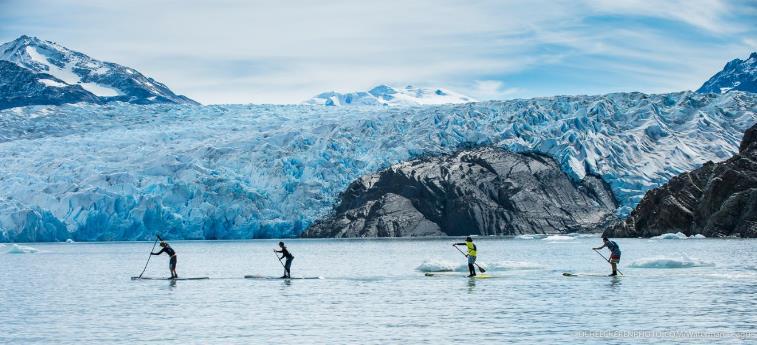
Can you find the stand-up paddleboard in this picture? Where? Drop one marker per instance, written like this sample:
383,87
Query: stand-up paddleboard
180,278
568,274
455,274
278,278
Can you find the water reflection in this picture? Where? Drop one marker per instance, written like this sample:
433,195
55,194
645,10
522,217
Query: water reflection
471,285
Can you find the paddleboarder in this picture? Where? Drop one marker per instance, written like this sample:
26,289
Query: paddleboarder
172,253
289,257
614,254
471,255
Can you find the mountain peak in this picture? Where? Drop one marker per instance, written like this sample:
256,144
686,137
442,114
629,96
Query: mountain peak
737,75
386,95
105,81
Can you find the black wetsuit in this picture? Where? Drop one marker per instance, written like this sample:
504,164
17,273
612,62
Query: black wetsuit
288,264
172,253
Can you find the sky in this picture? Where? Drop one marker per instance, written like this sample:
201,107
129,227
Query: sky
229,51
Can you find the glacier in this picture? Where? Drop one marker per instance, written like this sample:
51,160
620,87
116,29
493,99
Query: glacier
124,171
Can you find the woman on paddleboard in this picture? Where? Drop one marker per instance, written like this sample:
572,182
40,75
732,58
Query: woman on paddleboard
471,255
614,254
172,263
285,254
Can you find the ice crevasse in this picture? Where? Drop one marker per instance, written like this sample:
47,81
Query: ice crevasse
124,171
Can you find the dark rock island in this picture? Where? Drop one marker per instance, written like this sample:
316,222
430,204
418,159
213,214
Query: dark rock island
718,199
485,191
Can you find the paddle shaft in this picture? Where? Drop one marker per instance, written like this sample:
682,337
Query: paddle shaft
608,260
466,255
277,257
157,237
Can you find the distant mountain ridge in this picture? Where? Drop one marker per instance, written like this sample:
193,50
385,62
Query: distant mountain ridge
53,74
737,75
390,96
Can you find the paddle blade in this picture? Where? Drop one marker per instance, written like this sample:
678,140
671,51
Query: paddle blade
481,269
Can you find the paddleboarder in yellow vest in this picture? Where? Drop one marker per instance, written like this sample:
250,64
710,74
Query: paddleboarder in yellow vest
471,255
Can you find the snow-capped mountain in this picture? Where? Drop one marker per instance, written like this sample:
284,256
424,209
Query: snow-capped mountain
126,171
737,75
63,68
390,96
20,86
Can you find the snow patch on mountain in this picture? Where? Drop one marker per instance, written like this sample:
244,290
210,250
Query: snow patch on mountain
390,96
108,81
124,172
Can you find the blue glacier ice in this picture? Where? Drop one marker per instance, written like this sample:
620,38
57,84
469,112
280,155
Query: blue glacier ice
124,171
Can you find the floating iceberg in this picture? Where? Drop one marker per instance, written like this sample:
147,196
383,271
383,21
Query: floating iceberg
558,238
671,236
16,249
125,172
436,266
677,236
680,261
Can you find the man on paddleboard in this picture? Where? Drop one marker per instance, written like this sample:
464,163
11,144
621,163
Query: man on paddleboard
471,254
172,263
285,254
614,254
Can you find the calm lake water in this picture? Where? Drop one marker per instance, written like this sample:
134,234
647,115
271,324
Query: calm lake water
374,293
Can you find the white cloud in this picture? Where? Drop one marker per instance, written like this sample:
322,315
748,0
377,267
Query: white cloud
492,90
240,51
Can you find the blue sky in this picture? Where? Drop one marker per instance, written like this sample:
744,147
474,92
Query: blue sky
229,51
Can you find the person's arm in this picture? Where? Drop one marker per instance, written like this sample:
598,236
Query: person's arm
158,253
458,244
598,248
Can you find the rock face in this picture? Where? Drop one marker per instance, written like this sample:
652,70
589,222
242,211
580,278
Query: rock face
737,75
718,199
66,76
486,191
20,87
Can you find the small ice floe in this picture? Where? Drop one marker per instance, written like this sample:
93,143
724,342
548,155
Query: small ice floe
677,236
436,266
558,238
680,261
16,249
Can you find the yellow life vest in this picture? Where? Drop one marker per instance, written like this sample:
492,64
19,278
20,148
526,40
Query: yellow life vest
471,248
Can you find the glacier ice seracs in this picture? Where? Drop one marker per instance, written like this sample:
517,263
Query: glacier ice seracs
124,171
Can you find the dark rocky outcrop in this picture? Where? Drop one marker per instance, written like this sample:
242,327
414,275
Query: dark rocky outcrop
484,191
20,87
718,199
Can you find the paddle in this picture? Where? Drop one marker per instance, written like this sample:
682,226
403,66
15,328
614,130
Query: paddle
608,260
157,237
481,269
277,257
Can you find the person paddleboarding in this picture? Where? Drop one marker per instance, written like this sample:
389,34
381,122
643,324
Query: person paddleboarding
172,253
289,257
614,254
471,255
